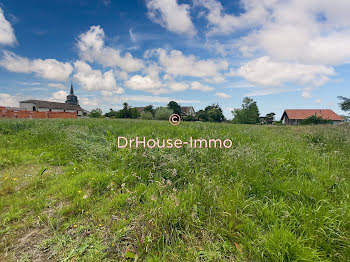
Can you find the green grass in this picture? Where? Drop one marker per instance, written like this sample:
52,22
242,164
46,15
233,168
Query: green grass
67,193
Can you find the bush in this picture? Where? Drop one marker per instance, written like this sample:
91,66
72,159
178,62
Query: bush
96,113
189,118
314,120
146,115
163,113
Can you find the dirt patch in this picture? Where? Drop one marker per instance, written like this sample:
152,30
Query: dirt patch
27,246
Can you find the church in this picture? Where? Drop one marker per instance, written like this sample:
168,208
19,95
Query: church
71,105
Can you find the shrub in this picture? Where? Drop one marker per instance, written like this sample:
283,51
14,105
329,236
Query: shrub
163,113
96,113
189,118
314,120
146,115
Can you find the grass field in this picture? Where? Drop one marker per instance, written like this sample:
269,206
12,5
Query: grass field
67,193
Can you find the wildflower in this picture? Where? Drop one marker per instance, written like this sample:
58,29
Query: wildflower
14,179
100,225
75,226
85,197
79,191
6,177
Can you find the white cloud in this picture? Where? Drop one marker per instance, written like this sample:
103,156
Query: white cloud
29,83
8,100
147,99
59,96
264,71
216,79
145,83
92,49
132,36
198,86
121,75
57,85
91,79
89,102
291,41
172,16
177,64
222,23
178,86
7,35
306,92
308,32
223,95
49,68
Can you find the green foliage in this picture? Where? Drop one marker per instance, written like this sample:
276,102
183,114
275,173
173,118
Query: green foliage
96,113
270,118
149,109
315,120
125,112
189,118
67,193
163,113
146,115
345,104
111,113
175,107
248,114
134,113
212,113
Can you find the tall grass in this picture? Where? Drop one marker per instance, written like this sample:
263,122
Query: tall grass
279,194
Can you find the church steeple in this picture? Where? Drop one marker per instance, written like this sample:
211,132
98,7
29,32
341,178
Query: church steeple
71,98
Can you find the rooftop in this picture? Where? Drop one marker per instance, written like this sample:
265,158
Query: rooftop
305,113
53,105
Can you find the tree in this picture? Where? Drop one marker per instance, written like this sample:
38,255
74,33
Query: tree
270,118
346,118
248,114
202,115
96,113
175,107
212,113
163,113
345,105
125,112
216,115
111,113
149,109
134,113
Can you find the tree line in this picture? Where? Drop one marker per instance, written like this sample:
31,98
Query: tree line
247,114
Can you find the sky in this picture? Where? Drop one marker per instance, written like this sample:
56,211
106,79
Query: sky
285,54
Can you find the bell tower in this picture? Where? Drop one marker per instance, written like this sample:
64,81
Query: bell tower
71,98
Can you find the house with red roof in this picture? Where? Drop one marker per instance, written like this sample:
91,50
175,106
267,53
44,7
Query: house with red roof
294,116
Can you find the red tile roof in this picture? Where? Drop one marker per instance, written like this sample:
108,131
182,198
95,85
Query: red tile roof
305,113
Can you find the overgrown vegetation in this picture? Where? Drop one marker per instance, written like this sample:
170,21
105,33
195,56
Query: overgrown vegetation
315,120
67,193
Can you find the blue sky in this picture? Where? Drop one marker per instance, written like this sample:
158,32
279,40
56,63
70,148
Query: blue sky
284,54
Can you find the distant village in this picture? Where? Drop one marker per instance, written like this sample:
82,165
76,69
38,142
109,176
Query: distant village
248,114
